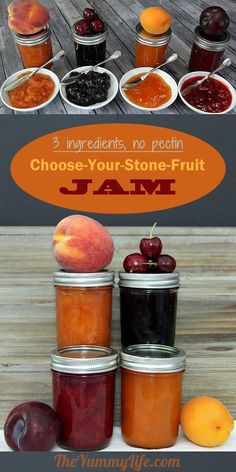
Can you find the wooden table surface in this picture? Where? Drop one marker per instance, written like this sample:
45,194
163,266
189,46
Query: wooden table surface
122,18
206,322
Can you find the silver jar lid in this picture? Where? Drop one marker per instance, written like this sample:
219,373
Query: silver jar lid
150,39
84,359
214,46
153,358
154,281
89,40
33,39
93,279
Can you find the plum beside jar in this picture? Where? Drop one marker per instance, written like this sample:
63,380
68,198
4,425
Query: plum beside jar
148,306
83,395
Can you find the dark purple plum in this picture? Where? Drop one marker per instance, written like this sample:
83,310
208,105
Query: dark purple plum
214,21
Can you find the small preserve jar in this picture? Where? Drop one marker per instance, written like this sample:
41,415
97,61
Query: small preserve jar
148,306
83,380
151,388
206,54
90,50
35,49
151,49
83,308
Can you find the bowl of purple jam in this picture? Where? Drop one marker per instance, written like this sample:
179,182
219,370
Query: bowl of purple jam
214,96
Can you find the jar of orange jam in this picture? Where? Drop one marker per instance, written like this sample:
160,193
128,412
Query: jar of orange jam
151,387
151,49
35,49
83,308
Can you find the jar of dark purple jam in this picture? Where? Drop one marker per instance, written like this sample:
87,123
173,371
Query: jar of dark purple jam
90,50
207,52
148,306
83,395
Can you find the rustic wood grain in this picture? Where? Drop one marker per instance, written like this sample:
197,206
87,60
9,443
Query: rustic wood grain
121,17
206,325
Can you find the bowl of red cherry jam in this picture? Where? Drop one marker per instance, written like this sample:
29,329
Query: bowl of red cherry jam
214,96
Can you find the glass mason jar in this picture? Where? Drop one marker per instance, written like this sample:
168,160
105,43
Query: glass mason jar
148,306
206,54
83,308
35,49
90,50
151,49
83,395
151,388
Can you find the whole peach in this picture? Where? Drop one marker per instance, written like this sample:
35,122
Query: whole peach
81,244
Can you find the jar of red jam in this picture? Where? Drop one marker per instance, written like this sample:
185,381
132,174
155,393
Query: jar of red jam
35,49
151,389
207,52
148,306
83,308
90,50
83,395
151,49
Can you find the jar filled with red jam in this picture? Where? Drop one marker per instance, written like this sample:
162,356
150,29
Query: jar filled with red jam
207,52
90,50
83,395
151,389
35,49
151,49
83,308
148,306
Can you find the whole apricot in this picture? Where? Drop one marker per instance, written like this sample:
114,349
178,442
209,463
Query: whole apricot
155,20
206,421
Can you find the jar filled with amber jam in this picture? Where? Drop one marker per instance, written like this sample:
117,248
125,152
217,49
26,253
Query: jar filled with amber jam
83,308
151,50
151,388
35,49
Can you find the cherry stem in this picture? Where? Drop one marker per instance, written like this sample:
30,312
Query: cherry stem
118,252
152,230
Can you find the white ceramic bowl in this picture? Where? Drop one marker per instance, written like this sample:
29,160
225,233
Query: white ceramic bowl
214,76
168,79
5,98
112,92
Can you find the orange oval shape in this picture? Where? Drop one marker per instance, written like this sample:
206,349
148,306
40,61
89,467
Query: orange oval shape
118,168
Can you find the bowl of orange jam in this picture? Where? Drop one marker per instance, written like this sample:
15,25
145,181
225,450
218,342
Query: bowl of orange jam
157,92
35,93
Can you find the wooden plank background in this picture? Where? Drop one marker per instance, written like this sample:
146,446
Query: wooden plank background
122,18
206,323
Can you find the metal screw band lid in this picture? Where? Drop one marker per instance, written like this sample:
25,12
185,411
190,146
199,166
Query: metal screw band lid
93,279
84,359
153,358
214,46
152,281
89,40
150,39
33,39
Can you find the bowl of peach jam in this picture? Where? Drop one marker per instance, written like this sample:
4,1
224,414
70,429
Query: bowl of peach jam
157,92
35,93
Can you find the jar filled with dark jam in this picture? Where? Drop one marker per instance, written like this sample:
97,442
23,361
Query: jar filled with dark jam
83,395
90,50
207,52
148,306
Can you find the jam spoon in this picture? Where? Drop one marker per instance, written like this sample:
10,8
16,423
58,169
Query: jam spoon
135,82
73,78
226,63
19,81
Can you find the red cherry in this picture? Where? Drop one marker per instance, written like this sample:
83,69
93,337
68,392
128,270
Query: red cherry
166,263
90,14
98,26
82,28
151,247
135,263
